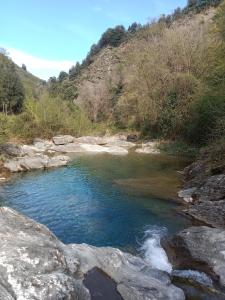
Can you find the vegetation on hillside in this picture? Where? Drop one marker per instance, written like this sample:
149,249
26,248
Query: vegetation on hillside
28,110
168,83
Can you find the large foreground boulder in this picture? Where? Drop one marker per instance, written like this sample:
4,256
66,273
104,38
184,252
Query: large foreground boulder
35,265
32,262
200,248
135,279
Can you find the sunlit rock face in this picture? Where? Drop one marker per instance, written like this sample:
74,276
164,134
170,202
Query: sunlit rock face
34,264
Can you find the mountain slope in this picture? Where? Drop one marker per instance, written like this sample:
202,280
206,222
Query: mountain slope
33,85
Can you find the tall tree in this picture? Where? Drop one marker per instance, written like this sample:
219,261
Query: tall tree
11,88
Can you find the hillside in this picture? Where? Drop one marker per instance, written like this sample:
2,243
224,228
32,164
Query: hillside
163,79
33,85
102,85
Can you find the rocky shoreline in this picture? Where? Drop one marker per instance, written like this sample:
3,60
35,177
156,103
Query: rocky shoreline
34,264
204,193
44,154
58,271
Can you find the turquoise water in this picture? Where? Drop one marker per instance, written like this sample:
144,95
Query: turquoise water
101,200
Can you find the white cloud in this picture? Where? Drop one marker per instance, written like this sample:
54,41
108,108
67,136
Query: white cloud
42,68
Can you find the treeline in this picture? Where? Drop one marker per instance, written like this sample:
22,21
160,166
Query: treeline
193,6
113,37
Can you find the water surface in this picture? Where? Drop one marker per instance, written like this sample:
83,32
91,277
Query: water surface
102,200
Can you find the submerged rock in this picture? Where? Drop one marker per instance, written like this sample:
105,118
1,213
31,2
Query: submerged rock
149,148
196,276
200,248
35,265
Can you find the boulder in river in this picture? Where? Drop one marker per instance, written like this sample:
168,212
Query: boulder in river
38,161
200,248
35,265
149,148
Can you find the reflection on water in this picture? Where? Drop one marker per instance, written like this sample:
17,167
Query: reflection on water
101,200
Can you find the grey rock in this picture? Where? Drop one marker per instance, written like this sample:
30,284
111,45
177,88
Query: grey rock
134,277
31,150
212,189
63,139
13,166
196,276
32,262
10,149
208,212
200,248
38,161
34,163
57,161
208,197
187,194
121,143
114,150
93,140
69,148
132,138
35,265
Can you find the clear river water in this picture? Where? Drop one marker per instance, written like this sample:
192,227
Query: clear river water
102,200
127,202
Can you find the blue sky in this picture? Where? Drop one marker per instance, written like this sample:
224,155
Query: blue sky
51,35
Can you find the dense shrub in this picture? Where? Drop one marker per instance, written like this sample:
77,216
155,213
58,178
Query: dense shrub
45,118
11,89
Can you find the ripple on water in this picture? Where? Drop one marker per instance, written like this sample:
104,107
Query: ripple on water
82,203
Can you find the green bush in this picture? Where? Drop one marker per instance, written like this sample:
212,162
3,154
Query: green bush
47,117
205,115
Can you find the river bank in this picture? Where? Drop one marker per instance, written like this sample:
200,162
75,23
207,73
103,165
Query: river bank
181,248
59,151
204,193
